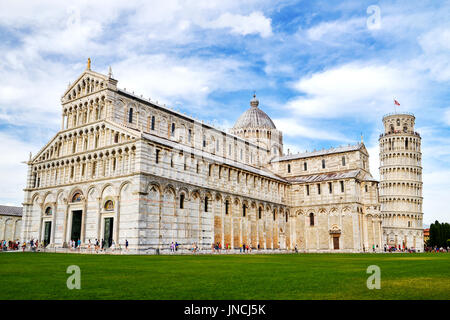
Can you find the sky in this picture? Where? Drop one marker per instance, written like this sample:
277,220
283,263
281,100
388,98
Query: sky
324,71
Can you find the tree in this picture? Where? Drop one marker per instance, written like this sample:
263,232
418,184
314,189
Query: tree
439,234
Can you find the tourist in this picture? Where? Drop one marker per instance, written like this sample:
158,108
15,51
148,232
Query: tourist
126,244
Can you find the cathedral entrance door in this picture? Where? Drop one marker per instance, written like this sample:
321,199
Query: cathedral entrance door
47,232
76,226
336,242
108,232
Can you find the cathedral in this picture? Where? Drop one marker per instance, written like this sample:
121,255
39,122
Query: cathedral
124,168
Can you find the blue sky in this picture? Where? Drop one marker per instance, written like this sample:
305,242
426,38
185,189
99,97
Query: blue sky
325,71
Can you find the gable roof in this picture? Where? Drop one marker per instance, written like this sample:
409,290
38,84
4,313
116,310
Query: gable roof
353,174
10,211
212,157
82,75
349,148
117,126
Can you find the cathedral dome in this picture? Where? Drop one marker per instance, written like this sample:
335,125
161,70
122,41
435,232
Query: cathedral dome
254,118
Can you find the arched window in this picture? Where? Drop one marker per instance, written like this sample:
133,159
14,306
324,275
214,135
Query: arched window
130,115
48,211
391,129
109,205
206,204
116,138
204,141
305,166
76,197
323,163
289,168
287,217
406,144
311,219
259,212
182,201
153,123
172,131
343,161
274,215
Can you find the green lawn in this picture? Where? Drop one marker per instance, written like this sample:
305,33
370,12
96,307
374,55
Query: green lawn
290,276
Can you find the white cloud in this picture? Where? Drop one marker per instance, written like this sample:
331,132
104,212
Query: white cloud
12,171
436,188
436,47
171,79
355,89
254,23
30,90
291,127
337,31
447,116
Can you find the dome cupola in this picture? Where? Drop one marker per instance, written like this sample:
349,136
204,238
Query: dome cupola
254,118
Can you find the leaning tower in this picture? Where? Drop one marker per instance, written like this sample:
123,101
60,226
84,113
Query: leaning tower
401,182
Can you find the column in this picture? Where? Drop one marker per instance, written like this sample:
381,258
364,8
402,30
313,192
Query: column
222,214
231,222
14,230
55,210
116,219
99,218
66,221
83,221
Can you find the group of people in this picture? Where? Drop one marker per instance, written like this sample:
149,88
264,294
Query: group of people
36,245
9,245
75,244
398,248
102,246
33,245
174,246
437,249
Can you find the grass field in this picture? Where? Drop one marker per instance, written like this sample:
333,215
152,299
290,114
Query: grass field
290,276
